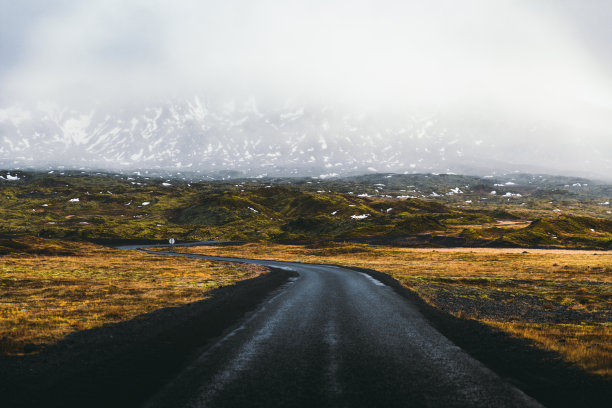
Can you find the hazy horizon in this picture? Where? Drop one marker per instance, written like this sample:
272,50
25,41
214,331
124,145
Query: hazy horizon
524,84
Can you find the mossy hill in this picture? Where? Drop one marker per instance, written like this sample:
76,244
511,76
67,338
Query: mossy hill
396,209
291,215
564,231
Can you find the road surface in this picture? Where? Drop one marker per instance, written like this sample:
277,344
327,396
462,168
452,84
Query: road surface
334,337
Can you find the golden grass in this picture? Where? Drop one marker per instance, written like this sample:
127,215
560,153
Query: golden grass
578,281
587,345
45,297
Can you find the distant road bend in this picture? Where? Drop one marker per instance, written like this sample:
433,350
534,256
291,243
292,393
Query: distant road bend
334,337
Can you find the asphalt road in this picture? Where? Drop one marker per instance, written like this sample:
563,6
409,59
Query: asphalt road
334,337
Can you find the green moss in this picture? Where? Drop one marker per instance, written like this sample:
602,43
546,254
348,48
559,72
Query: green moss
110,206
469,233
417,224
575,231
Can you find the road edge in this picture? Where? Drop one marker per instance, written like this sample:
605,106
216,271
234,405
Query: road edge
539,373
123,364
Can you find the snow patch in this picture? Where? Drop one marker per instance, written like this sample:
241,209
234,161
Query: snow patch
10,177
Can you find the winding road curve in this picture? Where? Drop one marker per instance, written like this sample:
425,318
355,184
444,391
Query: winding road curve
334,337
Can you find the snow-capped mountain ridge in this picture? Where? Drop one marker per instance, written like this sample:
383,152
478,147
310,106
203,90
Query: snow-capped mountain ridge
241,136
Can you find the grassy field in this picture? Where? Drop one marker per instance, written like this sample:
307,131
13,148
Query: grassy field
433,210
50,288
561,300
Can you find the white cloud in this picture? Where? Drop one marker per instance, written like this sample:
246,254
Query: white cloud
498,67
441,53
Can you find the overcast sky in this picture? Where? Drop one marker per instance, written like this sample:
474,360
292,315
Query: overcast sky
540,62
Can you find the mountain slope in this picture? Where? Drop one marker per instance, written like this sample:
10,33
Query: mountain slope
211,136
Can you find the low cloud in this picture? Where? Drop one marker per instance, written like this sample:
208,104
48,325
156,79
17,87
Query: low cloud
508,70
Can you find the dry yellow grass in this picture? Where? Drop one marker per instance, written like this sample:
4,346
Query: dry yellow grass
551,289
45,297
587,345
